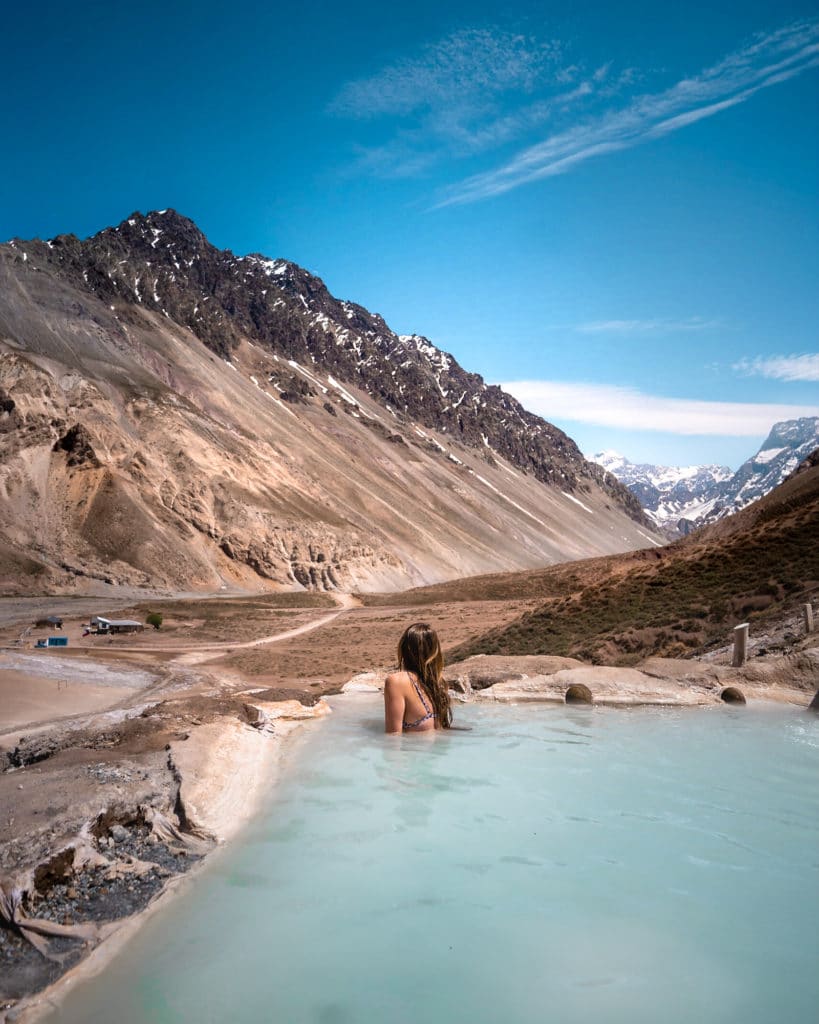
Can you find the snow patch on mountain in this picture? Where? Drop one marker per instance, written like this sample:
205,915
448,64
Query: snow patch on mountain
683,498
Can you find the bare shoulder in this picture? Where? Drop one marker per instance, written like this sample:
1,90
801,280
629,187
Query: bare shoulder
396,681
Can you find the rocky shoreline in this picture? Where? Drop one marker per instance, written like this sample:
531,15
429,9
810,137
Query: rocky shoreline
107,890
669,682
103,815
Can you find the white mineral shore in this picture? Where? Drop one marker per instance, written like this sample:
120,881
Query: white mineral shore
226,770
226,767
660,681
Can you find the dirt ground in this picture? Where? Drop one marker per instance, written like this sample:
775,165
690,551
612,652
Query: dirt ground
362,639
28,699
184,622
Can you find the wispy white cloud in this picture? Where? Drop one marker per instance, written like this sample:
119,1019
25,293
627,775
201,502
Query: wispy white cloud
469,92
451,71
768,60
627,408
789,368
693,323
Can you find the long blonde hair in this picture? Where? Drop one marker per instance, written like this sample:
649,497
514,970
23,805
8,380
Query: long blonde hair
420,652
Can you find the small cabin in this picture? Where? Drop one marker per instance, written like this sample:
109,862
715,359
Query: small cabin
53,641
110,626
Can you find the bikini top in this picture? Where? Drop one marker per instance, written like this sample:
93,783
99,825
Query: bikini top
430,713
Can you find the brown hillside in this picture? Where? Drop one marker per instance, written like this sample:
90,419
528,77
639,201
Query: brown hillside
756,566
176,418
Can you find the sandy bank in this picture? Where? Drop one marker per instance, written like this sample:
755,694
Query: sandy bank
28,699
36,688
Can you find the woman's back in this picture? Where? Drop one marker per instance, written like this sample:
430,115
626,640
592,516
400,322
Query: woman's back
416,698
408,708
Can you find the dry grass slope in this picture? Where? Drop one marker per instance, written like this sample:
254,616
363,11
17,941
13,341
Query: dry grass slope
756,566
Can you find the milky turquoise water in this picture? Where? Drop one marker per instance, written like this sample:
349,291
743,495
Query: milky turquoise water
555,864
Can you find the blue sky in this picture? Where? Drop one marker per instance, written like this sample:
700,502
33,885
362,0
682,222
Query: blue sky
611,210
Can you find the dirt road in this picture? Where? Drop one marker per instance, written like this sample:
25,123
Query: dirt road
197,654
203,653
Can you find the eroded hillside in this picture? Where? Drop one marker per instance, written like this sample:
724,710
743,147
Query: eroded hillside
175,417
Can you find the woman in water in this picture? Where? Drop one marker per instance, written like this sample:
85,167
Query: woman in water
416,698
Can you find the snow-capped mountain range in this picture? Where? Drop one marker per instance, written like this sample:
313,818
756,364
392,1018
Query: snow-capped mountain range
682,498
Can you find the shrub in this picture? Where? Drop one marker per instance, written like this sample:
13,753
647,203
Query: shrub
154,619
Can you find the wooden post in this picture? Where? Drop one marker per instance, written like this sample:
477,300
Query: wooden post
740,645
807,612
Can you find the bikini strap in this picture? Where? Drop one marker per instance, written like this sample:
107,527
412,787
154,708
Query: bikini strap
420,693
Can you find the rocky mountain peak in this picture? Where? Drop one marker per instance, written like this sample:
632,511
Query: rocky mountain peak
162,263
791,434
683,498
177,231
173,415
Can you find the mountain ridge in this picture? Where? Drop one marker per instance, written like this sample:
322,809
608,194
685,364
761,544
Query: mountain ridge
684,498
175,416
340,335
